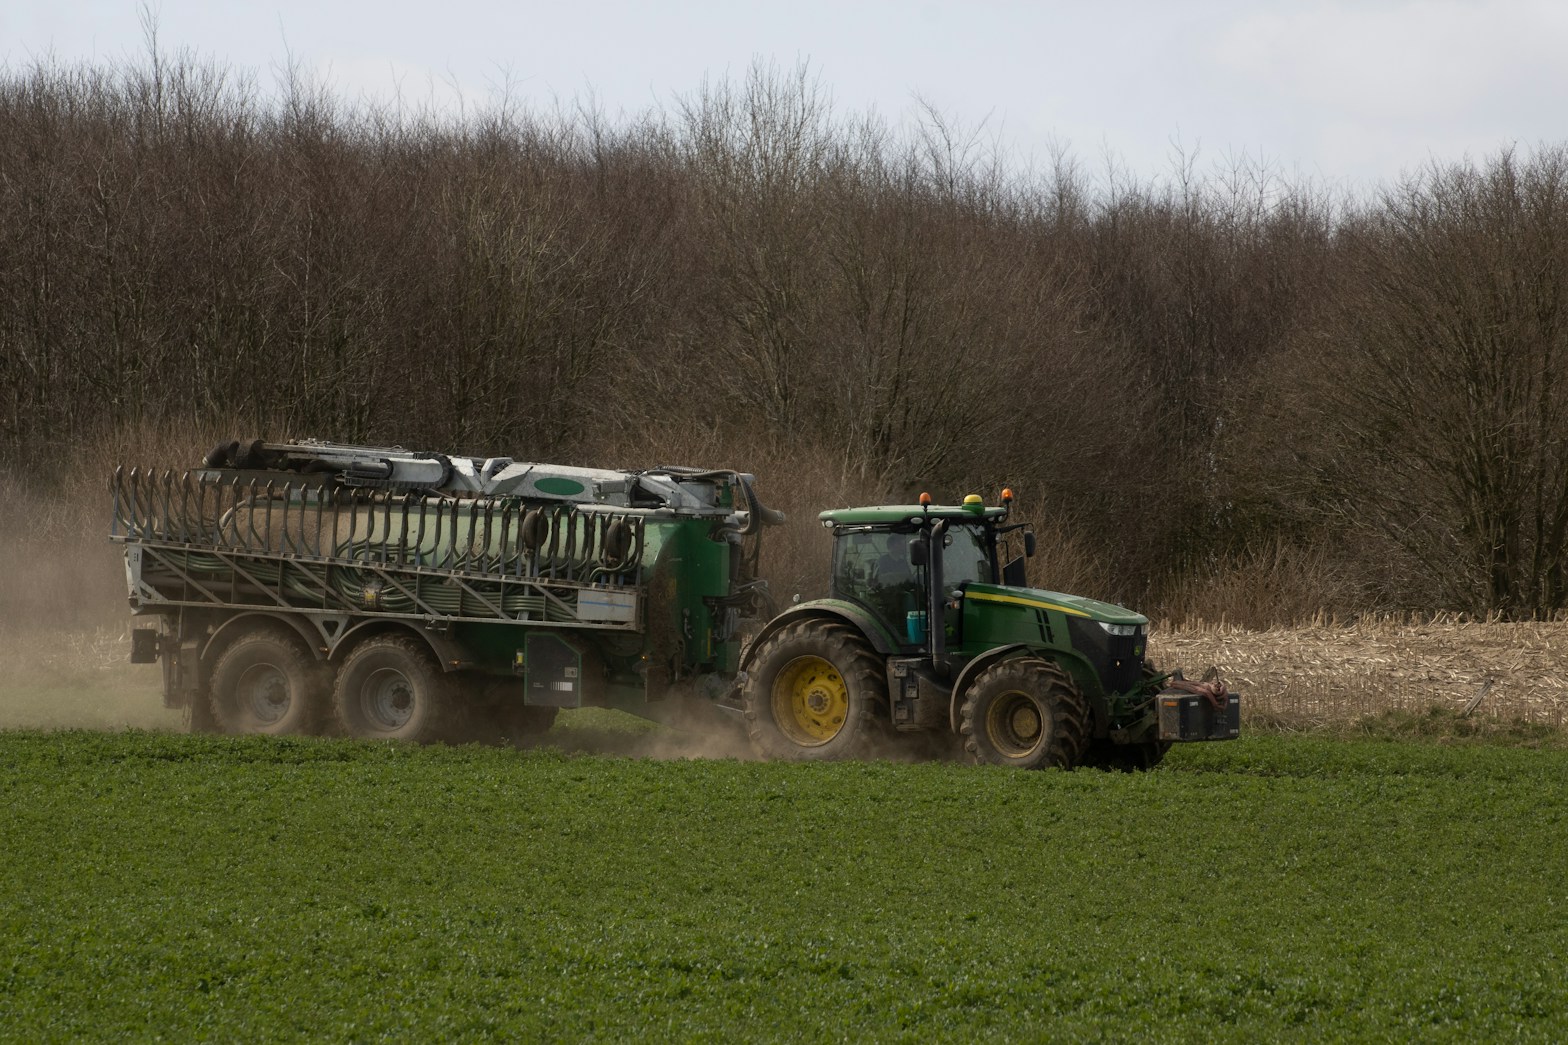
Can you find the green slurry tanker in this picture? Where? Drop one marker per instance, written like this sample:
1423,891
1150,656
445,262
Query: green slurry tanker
384,593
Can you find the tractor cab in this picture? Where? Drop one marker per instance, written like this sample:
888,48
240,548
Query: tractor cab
885,559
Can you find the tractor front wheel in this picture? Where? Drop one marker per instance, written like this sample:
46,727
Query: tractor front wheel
814,692
1026,713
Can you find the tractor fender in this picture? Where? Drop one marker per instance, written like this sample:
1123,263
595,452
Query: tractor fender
451,654
837,609
229,629
973,668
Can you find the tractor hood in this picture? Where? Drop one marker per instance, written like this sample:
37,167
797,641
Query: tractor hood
1072,605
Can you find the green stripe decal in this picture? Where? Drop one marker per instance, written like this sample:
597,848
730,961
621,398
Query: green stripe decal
1036,603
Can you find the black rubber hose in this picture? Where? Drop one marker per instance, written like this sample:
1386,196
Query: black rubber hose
446,469
758,515
222,455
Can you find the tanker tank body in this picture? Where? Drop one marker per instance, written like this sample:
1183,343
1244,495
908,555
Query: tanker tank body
391,593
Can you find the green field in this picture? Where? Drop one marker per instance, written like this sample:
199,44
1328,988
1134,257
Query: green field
247,889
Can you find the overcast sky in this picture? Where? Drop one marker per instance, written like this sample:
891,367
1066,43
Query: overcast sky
1348,93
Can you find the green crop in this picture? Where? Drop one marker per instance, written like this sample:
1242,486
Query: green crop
257,889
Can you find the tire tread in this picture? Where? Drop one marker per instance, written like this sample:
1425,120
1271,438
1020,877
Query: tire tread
863,674
1069,709
443,721
305,672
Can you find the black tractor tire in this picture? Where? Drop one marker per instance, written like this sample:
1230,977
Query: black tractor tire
1026,713
1128,758
266,681
391,688
815,691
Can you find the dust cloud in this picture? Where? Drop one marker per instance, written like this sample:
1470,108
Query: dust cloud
62,679
582,733
593,732
64,623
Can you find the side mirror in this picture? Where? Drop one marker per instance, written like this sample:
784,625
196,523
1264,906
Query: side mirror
919,553
1029,544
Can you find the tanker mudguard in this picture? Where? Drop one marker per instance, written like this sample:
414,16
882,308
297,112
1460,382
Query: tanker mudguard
238,623
451,655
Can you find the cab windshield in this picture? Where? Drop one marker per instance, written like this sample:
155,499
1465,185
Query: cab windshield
966,557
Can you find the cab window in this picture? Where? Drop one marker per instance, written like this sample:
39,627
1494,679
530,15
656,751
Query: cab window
872,568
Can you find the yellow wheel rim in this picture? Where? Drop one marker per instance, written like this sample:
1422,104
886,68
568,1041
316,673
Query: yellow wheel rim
810,701
1015,725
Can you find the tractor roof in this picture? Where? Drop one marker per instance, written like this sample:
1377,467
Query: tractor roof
893,514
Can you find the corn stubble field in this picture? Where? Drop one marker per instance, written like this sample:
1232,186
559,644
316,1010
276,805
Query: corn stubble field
1327,674
1331,874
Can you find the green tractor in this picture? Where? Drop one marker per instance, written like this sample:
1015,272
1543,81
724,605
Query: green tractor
931,630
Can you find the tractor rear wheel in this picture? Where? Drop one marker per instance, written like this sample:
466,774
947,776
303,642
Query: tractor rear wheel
814,692
1026,713
266,682
391,688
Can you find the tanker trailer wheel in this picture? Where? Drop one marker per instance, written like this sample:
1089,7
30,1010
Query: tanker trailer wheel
1026,713
267,682
814,692
391,688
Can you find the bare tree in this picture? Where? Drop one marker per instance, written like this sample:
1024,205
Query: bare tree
1452,405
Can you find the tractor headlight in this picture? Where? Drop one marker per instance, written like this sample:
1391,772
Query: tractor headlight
1120,630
